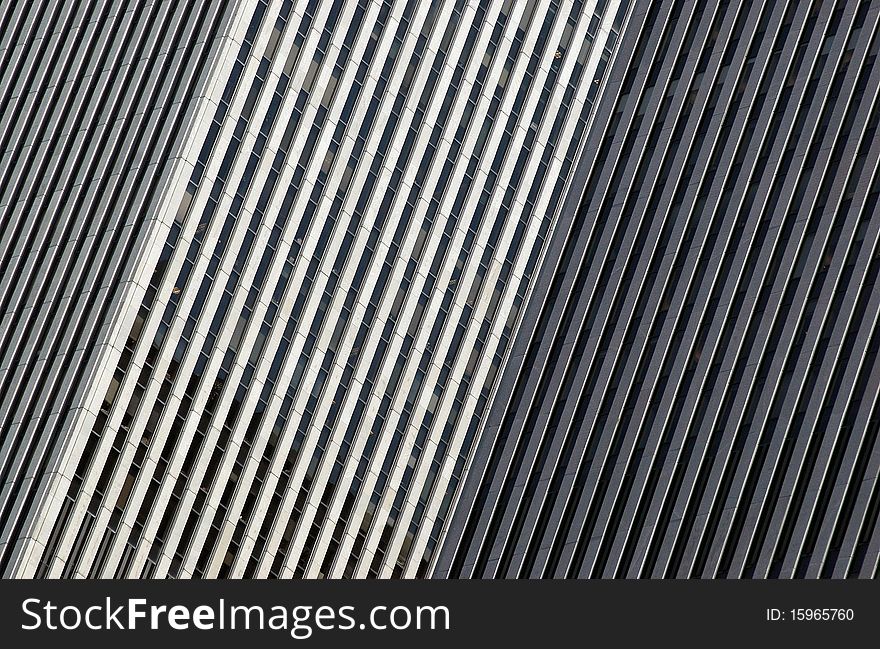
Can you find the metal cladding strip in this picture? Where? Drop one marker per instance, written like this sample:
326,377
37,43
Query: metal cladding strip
792,246
692,392
98,103
344,226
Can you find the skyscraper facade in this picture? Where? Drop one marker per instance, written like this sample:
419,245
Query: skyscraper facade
693,391
262,264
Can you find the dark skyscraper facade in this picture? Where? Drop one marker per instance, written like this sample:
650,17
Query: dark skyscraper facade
694,388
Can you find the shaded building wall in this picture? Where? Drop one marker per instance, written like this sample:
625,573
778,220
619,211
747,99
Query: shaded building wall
693,391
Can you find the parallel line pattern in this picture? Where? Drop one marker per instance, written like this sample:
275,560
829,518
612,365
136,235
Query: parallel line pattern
694,388
331,296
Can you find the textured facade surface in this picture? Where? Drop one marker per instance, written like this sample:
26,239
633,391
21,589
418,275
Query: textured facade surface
694,388
335,269
96,103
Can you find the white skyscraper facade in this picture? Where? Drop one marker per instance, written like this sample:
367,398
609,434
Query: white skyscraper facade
321,281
